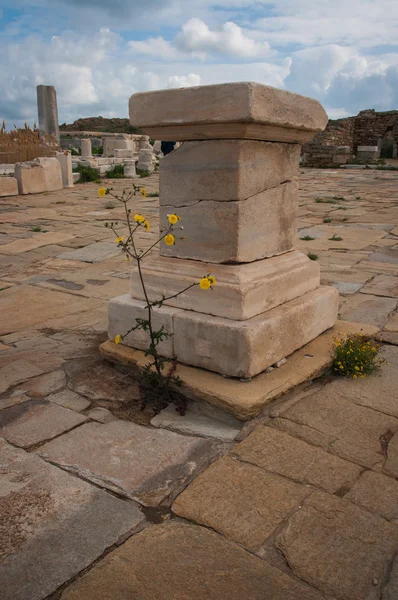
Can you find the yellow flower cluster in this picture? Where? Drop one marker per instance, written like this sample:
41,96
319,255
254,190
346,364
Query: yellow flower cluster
102,192
143,192
141,220
353,357
118,338
173,219
207,282
169,239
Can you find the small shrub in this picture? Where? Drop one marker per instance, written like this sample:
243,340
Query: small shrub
153,195
335,238
75,152
115,172
36,228
307,238
354,357
99,150
345,219
326,200
87,174
357,197
312,256
142,173
327,220
109,205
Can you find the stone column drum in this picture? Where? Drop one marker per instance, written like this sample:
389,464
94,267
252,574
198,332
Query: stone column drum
234,184
47,110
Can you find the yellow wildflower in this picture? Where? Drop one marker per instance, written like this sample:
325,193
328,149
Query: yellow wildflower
139,218
118,339
146,225
119,239
355,376
356,368
205,283
212,280
127,258
143,192
173,219
102,192
169,239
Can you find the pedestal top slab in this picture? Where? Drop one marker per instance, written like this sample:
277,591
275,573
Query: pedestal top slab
231,110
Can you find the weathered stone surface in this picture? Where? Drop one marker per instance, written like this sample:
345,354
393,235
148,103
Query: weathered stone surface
392,324
352,431
93,253
376,492
382,285
221,232
122,314
280,453
46,384
364,308
36,241
242,291
30,177
100,414
337,547
246,399
52,173
175,560
356,238
225,170
390,592
194,423
65,161
69,399
239,500
8,186
391,465
147,465
245,348
54,525
249,110
17,397
36,421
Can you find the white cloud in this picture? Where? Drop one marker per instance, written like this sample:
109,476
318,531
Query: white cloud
178,81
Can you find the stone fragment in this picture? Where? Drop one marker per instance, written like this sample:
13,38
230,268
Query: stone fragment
37,241
280,453
46,384
257,343
194,423
122,314
54,525
242,291
377,493
65,160
249,110
36,421
352,431
221,232
225,170
92,253
69,399
102,415
176,560
149,465
30,177
8,186
364,308
52,173
240,501
337,547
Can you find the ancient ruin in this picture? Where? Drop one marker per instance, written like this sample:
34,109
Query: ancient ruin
233,182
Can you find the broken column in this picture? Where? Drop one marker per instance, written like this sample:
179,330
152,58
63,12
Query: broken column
65,160
86,151
234,184
47,110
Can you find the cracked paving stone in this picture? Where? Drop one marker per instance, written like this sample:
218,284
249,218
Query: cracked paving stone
377,493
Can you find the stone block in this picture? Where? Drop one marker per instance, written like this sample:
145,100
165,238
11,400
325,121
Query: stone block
245,348
148,465
122,313
52,173
232,110
8,186
75,177
225,170
123,153
65,160
242,291
129,169
30,177
221,232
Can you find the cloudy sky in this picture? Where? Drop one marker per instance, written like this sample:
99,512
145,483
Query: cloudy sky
99,52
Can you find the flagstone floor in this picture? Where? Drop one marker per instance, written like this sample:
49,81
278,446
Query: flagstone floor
300,503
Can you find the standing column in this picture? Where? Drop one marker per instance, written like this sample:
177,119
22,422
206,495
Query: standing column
234,185
47,110
86,149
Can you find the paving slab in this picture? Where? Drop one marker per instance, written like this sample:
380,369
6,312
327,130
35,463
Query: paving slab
179,561
338,548
93,253
382,285
280,453
239,500
352,432
55,525
36,421
16,397
392,324
246,399
46,384
69,399
390,592
377,493
37,241
366,308
391,465
148,465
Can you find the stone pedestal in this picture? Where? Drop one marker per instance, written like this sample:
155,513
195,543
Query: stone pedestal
86,149
234,184
145,160
47,110
129,169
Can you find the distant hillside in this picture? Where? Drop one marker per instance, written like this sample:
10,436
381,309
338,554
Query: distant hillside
100,124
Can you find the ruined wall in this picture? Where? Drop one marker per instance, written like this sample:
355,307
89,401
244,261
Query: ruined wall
332,146
371,126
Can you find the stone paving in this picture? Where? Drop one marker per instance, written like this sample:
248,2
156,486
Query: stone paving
301,502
